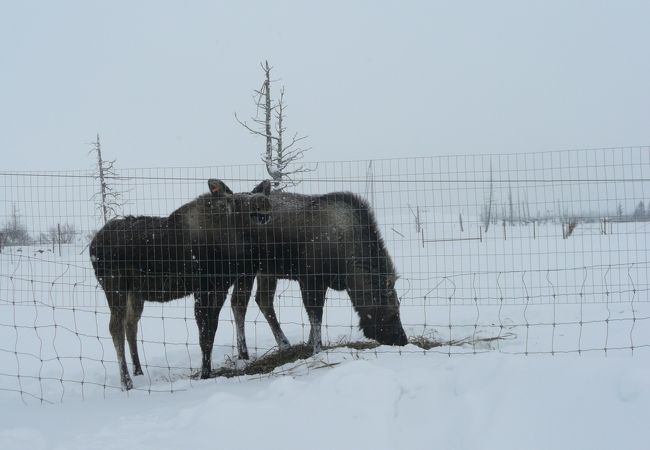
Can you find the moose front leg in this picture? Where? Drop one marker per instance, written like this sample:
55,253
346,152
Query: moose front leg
239,302
207,306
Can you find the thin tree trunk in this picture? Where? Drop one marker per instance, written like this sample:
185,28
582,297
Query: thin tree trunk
267,111
102,180
489,210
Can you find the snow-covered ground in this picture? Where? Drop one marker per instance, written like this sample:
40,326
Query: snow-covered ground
567,392
569,367
414,401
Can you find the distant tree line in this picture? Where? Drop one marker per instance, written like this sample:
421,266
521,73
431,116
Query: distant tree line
14,232
518,213
639,213
108,200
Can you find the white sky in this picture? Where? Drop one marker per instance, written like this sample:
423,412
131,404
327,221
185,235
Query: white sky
160,81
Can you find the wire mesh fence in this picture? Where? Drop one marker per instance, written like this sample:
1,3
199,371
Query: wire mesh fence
523,253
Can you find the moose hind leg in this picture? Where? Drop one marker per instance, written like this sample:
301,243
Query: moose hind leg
239,301
134,307
117,305
207,306
313,297
266,286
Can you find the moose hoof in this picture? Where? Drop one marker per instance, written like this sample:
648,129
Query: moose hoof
315,345
138,371
206,373
127,384
243,356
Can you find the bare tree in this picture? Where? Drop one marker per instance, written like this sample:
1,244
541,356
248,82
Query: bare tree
63,234
67,233
639,211
282,154
511,218
524,211
90,235
109,200
416,218
14,232
486,214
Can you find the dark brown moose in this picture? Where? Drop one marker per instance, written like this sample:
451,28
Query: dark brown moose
324,241
200,249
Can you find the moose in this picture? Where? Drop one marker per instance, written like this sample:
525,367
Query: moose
323,241
200,249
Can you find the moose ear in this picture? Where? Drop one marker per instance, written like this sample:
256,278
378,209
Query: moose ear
218,187
263,188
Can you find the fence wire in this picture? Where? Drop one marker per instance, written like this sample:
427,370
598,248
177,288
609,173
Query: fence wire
532,253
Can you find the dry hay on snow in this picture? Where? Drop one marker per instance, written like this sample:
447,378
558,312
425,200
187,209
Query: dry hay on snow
271,360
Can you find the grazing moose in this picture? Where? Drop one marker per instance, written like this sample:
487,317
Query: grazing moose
200,249
326,241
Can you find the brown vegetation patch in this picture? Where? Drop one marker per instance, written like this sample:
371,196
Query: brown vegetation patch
271,360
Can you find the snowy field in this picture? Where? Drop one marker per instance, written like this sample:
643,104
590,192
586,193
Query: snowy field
569,369
488,401
545,341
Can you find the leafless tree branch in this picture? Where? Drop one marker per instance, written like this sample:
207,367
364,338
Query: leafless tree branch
109,200
281,154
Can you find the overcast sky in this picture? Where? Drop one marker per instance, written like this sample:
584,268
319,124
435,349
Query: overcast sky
160,81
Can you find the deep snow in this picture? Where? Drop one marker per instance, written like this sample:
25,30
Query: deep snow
414,401
479,395
576,306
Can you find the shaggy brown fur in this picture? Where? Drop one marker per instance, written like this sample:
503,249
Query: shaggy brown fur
200,249
324,241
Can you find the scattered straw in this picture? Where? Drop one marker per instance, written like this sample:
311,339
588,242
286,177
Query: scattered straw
271,360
